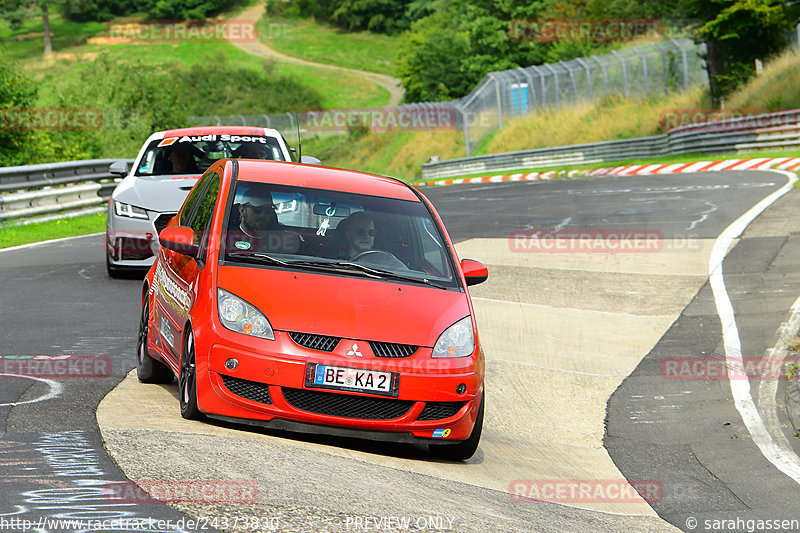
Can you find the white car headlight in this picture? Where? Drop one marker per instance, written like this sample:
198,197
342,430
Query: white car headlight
456,341
238,315
128,210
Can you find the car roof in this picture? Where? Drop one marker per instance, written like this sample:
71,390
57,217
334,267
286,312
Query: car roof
320,177
219,130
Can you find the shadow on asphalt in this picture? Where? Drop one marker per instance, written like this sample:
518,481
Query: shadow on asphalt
417,452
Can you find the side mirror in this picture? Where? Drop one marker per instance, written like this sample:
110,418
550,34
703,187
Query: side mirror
179,239
119,168
308,160
474,272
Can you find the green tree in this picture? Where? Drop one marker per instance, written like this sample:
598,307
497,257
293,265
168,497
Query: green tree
15,11
444,55
380,16
429,60
736,33
185,9
98,10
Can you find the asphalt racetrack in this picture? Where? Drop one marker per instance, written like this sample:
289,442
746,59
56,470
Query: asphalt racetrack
610,306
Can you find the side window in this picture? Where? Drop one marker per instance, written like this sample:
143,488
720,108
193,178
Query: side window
432,247
201,221
188,205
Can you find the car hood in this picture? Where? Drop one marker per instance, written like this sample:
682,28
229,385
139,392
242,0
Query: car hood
347,307
155,194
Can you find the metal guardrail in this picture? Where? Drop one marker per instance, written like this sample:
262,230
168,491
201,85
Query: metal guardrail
759,132
35,193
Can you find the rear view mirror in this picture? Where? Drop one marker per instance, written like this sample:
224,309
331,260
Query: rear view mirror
474,272
329,210
179,239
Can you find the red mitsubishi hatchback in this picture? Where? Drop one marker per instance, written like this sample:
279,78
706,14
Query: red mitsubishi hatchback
315,299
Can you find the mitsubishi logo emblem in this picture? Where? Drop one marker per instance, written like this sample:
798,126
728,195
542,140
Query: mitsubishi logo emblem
354,351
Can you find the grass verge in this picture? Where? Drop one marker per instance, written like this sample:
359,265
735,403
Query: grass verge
54,229
322,43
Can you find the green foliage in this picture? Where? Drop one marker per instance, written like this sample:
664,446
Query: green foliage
25,146
382,16
16,92
97,10
428,62
87,10
137,98
444,55
736,33
215,85
185,9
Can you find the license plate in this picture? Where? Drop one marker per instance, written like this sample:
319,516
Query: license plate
352,379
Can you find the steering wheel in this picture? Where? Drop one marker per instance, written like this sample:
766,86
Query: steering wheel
380,258
375,253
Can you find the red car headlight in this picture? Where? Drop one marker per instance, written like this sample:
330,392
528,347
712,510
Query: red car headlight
239,316
456,341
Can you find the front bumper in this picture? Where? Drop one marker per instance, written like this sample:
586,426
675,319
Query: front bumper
437,400
133,242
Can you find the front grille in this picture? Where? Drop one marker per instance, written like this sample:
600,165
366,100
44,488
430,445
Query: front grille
346,405
389,349
250,390
161,221
132,249
314,342
440,410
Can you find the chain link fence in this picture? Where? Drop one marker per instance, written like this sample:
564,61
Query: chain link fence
636,72
653,68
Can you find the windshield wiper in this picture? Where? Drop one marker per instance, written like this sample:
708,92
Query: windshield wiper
257,258
332,266
262,258
386,273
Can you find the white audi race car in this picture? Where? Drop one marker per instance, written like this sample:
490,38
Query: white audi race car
168,165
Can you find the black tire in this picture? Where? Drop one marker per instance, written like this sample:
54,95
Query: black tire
187,381
464,449
113,272
148,370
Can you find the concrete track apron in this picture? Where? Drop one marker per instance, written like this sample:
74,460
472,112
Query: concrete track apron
562,326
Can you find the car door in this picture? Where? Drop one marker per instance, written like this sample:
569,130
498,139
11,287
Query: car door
177,274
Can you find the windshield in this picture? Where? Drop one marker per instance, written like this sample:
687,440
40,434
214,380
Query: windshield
296,227
194,154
